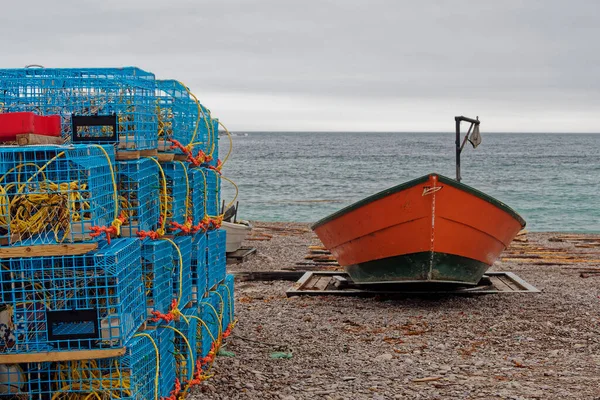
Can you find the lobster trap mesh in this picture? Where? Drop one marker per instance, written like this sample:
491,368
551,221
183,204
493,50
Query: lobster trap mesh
128,93
176,196
62,303
182,274
216,266
138,188
225,289
185,349
165,340
178,115
157,269
199,265
215,141
209,309
25,381
213,192
54,194
128,377
198,191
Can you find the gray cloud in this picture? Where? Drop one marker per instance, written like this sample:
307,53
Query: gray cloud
520,65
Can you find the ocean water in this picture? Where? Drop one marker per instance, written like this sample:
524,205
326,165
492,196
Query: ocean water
550,179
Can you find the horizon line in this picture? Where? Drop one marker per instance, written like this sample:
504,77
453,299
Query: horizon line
445,132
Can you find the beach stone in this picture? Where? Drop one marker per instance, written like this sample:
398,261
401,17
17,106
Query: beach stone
384,357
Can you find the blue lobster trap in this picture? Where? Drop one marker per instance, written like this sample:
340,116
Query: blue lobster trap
25,381
199,276
225,289
182,274
131,376
157,269
138,188
176,196
210,313
180,116
216,266
54,194
215,142
165,341
198,191
213,192
62,303
185,349
93,102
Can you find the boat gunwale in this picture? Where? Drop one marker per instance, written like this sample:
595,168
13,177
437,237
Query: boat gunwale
414,182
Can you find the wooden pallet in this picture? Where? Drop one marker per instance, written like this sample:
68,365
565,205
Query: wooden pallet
333,283
44,250
57,356
165,157
123,155
240,255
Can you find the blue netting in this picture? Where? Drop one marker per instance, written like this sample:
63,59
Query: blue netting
25,381
226,291
184,359
129,377
209,313
54,194
178,116
63,303
215,148
175,175
157,267
165,340
138,186
183,291
127,92
216,266
198,186
213,193
199,265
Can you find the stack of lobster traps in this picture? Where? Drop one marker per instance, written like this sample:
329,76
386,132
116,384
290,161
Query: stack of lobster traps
113,280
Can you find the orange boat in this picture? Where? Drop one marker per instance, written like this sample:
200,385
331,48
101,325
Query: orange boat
430,230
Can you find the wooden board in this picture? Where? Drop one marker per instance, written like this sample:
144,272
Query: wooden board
57,356
180,157
334,283
148,153
47,250
240,255
269,275
166,157
28,139
127,155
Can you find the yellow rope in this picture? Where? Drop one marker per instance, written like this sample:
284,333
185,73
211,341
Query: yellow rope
161,231
60,204
212,337
230,144
231,301
157,361
236,192
180,271
200,112
187,343
219,319
187,192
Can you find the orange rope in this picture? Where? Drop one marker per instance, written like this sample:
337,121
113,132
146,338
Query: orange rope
114,229
148,234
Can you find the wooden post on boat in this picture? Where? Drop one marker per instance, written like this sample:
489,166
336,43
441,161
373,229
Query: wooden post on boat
459,146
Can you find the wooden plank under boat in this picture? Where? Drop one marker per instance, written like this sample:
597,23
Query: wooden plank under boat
430,230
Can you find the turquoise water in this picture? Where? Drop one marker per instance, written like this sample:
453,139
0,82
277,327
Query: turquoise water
550,179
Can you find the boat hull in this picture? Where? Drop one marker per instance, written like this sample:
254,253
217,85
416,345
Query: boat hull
432,229
236,233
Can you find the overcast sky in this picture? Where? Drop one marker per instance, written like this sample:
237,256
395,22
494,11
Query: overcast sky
369,65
